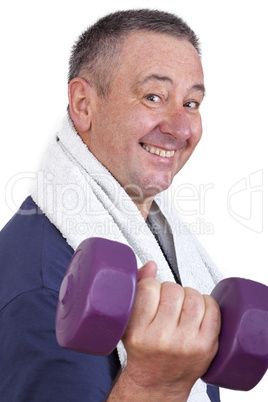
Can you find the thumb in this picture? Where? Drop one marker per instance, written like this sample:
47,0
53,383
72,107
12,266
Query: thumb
147,271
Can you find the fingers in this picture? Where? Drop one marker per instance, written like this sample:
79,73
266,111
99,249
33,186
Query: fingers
189,318
184,308
147,297
211,324
171,300
168,304
146,300
172,333
148,270
193,311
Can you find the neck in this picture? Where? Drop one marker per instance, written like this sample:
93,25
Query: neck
144,206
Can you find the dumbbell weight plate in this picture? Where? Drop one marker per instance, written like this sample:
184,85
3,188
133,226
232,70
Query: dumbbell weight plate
96,296
242,357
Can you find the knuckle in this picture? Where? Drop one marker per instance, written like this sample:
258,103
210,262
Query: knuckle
145,306
211,327
192,294
149,287
172,290
200,347
193,302
162,343
171,299
213,309
132,338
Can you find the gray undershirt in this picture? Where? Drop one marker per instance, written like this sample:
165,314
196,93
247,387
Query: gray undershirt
161,230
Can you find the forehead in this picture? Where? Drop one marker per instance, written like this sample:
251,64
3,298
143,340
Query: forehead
144,53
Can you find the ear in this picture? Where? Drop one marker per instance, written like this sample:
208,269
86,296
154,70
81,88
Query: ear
79,104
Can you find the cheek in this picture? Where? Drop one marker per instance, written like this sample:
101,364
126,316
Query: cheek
197,130
135,124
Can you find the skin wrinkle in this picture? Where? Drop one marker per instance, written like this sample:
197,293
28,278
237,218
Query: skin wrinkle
197,87
154,78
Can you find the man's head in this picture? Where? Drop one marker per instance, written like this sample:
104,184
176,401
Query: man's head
96,54
143,122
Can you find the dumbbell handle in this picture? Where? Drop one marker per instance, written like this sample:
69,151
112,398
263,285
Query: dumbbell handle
97,296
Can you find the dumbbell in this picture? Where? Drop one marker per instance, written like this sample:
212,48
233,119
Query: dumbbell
96,299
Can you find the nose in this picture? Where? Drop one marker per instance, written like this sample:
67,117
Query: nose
176,122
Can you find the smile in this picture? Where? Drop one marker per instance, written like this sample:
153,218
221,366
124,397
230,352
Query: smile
158,151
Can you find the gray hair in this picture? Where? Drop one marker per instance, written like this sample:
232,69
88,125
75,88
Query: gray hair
94,55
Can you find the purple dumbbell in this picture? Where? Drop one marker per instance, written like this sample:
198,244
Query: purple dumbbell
242,357
96,299
96,296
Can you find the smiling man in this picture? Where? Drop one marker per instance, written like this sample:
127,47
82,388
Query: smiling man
150,122
135,87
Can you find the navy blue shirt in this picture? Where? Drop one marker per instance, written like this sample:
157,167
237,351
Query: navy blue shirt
33,367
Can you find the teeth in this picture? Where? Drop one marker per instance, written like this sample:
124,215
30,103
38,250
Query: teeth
160,152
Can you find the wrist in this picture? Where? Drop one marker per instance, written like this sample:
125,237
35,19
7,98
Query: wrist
127,387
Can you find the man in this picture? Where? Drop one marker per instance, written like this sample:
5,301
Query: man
135,87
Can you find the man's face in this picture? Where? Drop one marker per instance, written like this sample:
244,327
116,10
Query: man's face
150,124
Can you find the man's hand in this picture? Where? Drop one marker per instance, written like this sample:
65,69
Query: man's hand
171,339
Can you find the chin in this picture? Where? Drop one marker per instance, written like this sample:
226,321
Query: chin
157,186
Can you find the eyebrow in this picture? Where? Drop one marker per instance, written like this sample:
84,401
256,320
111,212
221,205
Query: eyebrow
199,87
152,77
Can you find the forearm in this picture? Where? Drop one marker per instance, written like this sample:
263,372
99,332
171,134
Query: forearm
125,389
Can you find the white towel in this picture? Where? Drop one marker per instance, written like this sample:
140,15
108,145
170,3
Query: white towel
82,199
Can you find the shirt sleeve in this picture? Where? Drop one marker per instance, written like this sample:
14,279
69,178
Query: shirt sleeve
35,368
213,393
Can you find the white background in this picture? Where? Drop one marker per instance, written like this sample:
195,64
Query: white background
36,38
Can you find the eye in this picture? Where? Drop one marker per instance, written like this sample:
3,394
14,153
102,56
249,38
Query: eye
192,105
153,98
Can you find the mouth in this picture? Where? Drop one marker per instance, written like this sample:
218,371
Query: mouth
158,151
